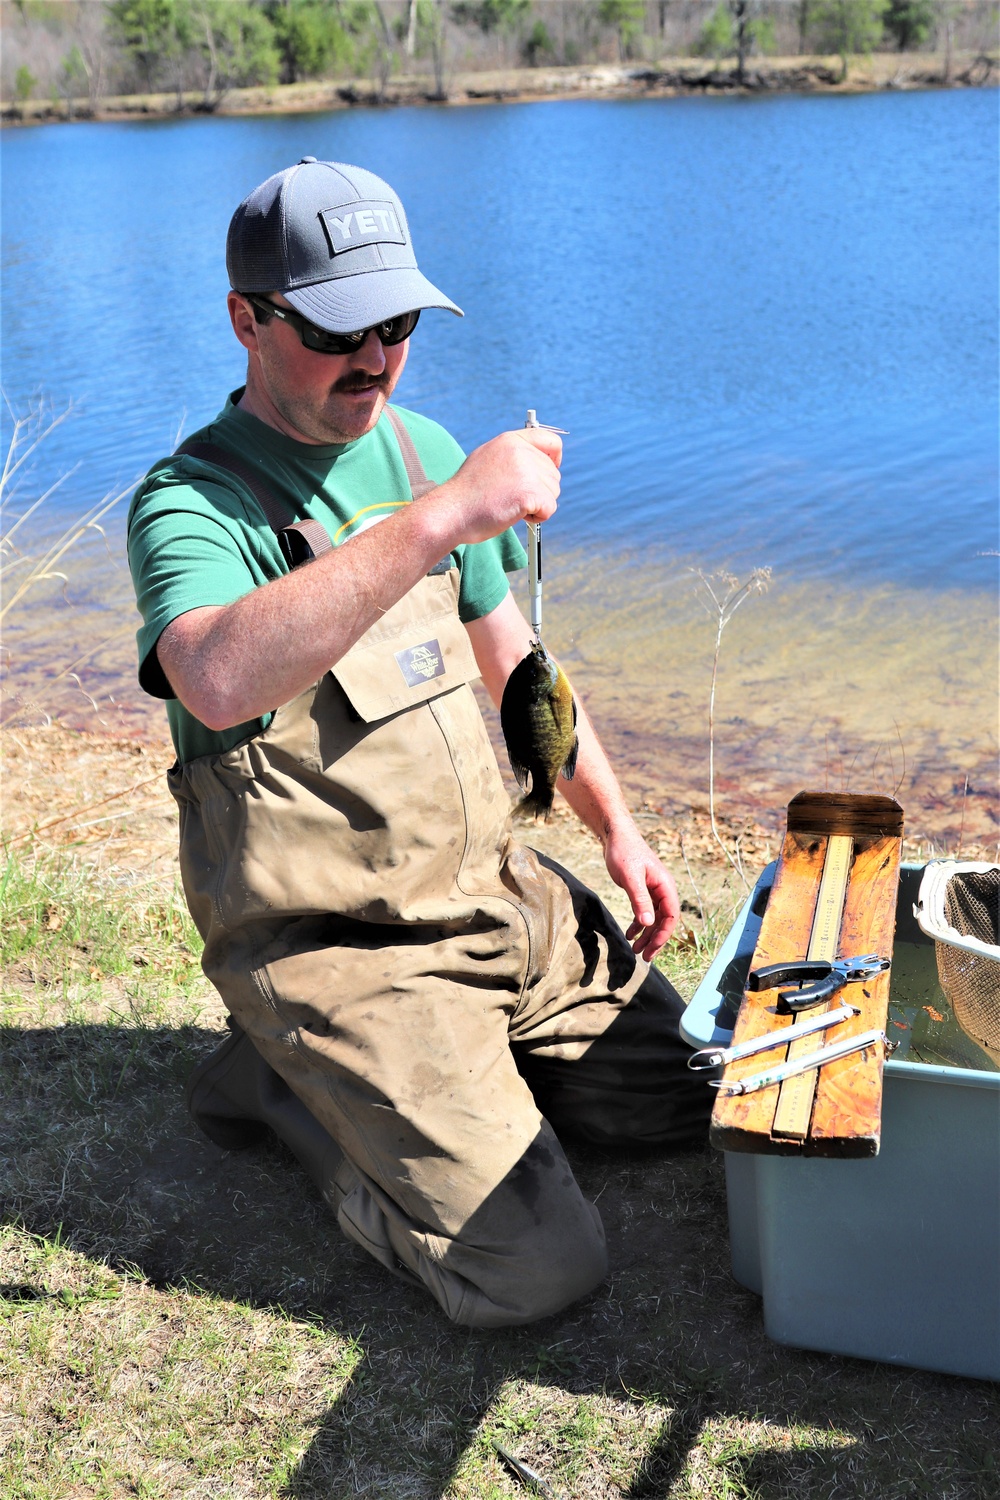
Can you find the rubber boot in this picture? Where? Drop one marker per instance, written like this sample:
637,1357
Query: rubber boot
235,1097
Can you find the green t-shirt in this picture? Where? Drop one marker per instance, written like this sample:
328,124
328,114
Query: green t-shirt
197,536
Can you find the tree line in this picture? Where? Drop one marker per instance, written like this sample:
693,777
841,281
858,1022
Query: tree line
81,52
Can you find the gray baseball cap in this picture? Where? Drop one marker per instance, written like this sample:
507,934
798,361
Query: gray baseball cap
335,241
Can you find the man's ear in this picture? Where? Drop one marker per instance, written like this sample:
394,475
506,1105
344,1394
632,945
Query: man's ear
243,321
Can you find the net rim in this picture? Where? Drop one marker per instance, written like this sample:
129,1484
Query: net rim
929,905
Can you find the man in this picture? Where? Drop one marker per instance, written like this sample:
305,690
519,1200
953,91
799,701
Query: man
418,1001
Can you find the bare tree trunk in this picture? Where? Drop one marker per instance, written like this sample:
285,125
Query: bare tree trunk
739,9
439,50
210,102
383,55
411,29
92,53
386,33
803,24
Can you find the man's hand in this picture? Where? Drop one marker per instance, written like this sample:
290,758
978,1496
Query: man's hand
649,886
513,477
231,663
500,640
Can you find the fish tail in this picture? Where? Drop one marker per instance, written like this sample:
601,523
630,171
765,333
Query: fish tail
537,802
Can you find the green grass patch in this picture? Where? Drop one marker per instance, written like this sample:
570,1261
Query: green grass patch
179,1321
121,1388
68,925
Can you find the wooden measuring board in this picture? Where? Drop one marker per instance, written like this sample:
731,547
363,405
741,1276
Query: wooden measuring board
834,896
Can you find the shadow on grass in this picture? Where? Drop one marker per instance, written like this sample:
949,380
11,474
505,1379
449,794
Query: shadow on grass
105,1156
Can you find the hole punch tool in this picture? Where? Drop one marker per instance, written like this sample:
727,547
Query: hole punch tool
828,977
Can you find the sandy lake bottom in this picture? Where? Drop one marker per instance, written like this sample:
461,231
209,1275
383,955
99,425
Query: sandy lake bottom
876,689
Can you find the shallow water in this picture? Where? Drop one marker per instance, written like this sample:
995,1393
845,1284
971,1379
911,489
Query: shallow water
770,326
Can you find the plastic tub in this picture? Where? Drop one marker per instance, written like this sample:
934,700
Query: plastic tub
896,1258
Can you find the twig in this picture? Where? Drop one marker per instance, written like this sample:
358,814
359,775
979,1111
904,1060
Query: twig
694,883
71,669
902,751
961,827
32,832
727,595
5,539
10,468
45,568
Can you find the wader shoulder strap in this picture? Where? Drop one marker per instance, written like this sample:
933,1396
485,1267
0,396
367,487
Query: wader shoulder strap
303,540
419,483
300,541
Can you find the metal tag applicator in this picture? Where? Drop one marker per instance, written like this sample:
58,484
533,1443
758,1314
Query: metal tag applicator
535,545
534,558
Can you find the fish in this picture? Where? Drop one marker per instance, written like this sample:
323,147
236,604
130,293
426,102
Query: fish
538,719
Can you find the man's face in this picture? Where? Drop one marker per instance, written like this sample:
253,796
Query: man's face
320,398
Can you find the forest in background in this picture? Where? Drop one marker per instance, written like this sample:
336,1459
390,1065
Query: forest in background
75,55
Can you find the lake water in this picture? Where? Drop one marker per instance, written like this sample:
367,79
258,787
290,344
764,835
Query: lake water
769,325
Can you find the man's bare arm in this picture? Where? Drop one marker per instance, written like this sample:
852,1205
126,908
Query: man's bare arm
500,640
235,662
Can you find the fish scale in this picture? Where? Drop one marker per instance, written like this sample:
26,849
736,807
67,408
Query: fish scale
538,719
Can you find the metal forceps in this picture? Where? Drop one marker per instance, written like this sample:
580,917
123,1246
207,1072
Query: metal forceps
844,1048
707,1058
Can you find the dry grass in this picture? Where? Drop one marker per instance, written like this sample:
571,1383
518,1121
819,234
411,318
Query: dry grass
179,1321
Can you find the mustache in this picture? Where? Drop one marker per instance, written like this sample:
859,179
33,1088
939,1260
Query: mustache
360,380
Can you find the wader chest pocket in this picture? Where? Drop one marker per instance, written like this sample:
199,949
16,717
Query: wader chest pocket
403,667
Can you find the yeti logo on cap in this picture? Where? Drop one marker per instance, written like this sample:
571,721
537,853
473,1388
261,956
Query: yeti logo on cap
371,223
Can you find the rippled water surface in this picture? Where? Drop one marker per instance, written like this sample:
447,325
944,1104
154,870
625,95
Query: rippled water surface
769,325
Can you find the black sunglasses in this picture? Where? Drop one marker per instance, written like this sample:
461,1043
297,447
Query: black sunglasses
391,331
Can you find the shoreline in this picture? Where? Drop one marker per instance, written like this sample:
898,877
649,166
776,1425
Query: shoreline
638,647
669,78
99,797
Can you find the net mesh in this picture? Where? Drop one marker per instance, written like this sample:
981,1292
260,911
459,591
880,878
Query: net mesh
971,981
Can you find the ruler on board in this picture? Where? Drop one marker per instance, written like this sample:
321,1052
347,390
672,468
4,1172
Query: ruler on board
795,1099
833,897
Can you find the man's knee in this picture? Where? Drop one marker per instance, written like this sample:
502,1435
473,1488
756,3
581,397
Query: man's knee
532,1247
544,1273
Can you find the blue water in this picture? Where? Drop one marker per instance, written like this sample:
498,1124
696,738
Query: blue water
770,325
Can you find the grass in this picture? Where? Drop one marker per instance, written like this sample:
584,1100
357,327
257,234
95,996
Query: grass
69,927
180,1321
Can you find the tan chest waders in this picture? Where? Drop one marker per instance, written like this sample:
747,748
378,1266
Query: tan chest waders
420,981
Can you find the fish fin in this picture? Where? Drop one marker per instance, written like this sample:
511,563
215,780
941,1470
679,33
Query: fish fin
520,772
569,766
512,722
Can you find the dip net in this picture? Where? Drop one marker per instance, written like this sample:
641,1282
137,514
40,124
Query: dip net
959,907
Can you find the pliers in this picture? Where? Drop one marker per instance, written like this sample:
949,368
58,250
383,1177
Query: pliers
828,977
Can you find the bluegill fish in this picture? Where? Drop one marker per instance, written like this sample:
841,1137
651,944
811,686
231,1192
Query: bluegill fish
538,719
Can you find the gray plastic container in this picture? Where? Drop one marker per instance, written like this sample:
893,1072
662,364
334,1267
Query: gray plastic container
895,1258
